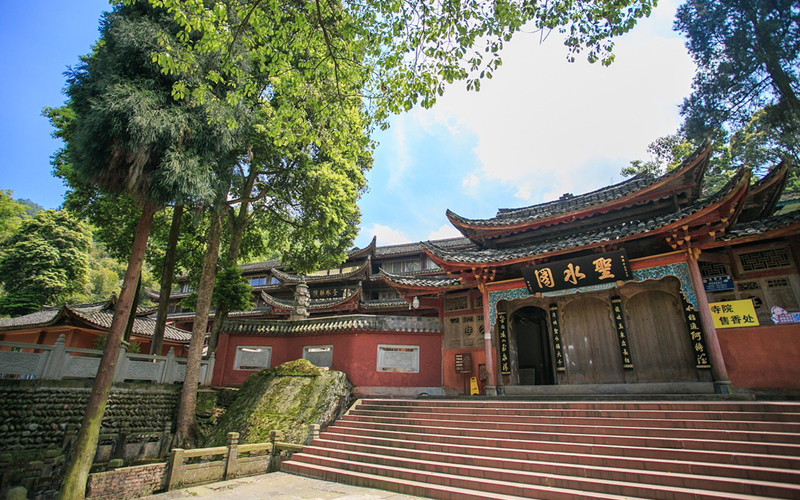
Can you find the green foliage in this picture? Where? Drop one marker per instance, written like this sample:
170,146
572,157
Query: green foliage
124,131
12,214
232,291
131,347
44,262
665,152
748,62
397,54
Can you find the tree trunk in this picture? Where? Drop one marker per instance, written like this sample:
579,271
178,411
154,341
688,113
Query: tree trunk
166,280
185,426
80,462
134,307
238,224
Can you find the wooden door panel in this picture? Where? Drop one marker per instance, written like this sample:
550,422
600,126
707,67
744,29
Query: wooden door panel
591,349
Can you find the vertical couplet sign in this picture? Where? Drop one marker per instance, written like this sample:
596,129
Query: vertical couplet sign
622,333
502,335
560,366
696,334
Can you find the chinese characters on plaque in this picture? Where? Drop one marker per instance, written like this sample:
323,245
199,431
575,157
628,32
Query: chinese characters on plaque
581,271
502,335
622,333
559,352
733,314
696,334
328,293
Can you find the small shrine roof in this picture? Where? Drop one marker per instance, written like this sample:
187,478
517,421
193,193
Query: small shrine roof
98,315
383,304
333,324
420,281
356,253
623,231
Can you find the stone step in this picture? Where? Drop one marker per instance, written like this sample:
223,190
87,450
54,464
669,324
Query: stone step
557,474
527,460
475,404
767,431
722,441
678,418
420,488
508,486
522,450
563,450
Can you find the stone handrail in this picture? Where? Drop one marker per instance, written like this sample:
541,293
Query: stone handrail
58,362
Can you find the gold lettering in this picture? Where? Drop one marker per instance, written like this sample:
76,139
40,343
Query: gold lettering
573,274
603,266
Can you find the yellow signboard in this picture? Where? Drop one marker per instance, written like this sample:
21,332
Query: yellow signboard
733,314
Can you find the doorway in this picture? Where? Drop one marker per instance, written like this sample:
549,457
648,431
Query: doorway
534,359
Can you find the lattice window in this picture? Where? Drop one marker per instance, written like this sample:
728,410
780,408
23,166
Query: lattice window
479,302
456,303
710,269
772,258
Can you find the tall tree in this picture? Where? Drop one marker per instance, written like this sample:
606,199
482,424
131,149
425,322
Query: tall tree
45,261
129,134
12,214
748,59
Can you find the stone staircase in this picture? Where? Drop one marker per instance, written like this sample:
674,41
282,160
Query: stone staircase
500,449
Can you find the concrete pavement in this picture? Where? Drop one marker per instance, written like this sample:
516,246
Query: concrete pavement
280,485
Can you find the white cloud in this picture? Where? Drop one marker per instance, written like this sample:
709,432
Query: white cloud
547,127
444,232
471,183
385,234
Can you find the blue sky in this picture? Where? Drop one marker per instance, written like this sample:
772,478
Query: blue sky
540,128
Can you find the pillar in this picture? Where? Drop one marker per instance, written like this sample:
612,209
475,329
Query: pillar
491,383
722,385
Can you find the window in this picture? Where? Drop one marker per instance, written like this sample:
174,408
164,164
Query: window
251,357
402,266
388,294
456,303
259,281
398,358
186,288
274,281
772,258
319,355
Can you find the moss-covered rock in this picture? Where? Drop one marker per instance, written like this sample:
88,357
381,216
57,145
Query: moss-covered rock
287,398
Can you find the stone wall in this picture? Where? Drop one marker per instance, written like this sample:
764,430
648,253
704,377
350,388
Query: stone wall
127,482
39,421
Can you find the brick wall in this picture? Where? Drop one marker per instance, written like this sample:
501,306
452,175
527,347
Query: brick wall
127,482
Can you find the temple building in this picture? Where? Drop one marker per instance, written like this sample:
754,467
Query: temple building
650,285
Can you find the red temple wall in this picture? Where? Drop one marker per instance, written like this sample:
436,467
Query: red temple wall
353,353
762,357
457,381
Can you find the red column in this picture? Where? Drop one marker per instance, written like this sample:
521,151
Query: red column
491,383
721,382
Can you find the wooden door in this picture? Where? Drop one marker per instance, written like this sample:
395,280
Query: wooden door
660,344
591,349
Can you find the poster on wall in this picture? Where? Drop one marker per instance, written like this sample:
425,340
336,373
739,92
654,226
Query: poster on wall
587,270
733,313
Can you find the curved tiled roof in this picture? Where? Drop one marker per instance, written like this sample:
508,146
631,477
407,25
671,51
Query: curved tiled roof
624,230
97,315
762,226
414,248
630,190
297,278
334,324
420,281
314,304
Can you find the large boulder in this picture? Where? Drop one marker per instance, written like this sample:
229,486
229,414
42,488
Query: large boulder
287,398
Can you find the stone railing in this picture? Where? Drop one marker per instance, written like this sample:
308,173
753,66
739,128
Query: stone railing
58,362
